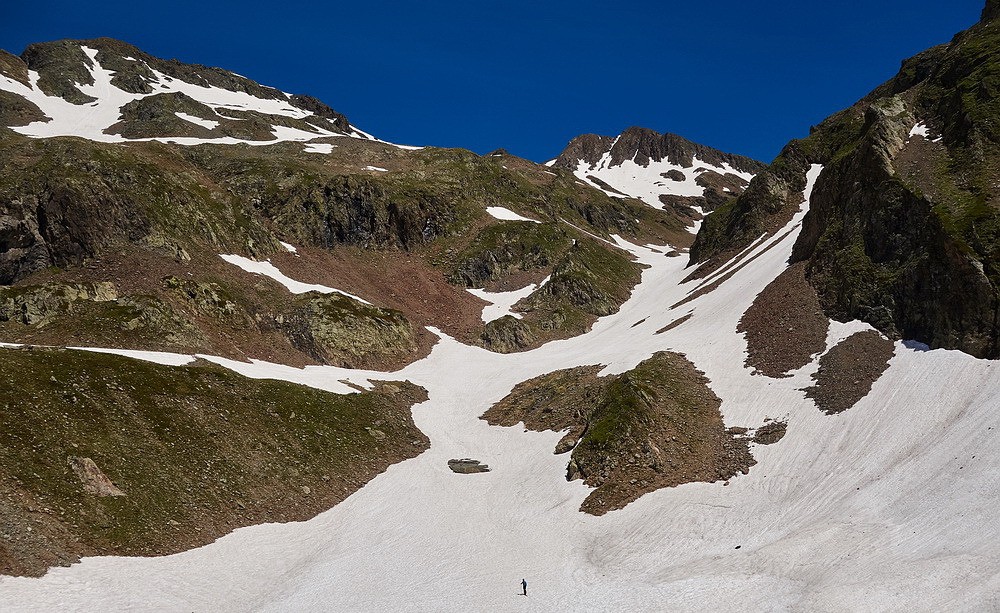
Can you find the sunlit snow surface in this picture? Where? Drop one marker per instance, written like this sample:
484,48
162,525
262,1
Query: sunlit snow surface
506,214
888,506
921,129
501,303
648,183
92,119
268,269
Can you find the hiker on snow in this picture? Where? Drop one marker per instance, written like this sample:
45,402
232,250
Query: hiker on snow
524,587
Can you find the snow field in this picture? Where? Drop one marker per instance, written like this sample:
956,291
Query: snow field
880,508
647,183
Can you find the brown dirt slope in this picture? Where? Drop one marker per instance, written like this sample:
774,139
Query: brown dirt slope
784,326
848,371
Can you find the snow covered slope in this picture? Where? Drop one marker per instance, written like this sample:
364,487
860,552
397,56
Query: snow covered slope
659,169
108,91
887,506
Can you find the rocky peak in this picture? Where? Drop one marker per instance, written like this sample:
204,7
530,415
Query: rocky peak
643,146
586,147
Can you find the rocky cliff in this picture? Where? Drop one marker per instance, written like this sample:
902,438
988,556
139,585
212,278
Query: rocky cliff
903,229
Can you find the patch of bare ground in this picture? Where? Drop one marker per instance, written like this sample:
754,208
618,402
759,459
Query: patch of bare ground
848,371
150,460
397,279
657,425
785,326
770,433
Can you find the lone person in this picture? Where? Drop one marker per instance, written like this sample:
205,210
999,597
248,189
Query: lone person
524,587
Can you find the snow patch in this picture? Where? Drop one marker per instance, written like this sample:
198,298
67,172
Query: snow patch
205,123
269,270
506,214
318,148
501,303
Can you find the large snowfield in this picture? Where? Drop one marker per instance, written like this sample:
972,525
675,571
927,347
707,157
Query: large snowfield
889,506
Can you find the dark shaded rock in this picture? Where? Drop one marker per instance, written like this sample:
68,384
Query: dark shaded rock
991,11
674,175
18,111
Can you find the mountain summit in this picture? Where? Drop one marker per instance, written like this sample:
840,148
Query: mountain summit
107,90
662,170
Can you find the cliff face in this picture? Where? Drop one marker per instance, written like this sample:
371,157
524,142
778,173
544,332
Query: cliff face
903,229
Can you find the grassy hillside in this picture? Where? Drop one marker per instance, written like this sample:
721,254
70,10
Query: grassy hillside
196,451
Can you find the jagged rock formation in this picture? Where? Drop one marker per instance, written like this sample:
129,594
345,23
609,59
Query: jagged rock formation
642,146
903,229
663,170
155,98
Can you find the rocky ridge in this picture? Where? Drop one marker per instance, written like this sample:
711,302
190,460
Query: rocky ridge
903,229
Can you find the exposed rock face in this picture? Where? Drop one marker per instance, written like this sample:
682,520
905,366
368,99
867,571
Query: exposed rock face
60,66
643,145
40,304
507,335
903,229
339,330
468,466
94,481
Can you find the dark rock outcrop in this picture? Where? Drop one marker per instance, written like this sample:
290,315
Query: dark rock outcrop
903,231
643,145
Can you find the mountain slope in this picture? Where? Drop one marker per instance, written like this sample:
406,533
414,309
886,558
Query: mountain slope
107,90
662,170
345,200
903,232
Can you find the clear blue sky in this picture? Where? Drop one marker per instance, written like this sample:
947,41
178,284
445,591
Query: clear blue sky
529,75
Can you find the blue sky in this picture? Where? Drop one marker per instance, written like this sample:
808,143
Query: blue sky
742,76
